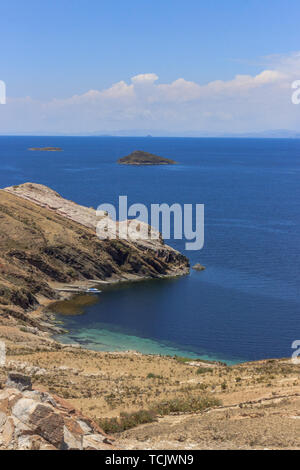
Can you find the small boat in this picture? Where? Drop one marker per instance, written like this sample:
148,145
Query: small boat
93,290
79,290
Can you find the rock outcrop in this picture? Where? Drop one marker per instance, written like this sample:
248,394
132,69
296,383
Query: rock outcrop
36,420
199,267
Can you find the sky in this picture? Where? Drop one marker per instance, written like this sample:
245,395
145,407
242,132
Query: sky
161,67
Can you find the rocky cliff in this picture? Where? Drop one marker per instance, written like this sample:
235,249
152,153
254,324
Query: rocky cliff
45,239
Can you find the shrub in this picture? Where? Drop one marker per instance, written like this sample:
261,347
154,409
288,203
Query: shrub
153,376
204,370
130,420
127,421
186,405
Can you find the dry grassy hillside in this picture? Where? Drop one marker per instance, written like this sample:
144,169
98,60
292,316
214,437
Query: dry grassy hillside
153,402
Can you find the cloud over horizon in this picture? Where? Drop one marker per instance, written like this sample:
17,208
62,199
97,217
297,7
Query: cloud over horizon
245,103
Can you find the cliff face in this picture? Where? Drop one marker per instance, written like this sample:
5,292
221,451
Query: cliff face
45,238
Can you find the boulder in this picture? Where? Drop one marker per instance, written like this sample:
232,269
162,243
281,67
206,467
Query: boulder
35,420
199,267
19,381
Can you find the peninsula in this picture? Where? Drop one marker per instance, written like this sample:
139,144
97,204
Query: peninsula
138,157
46,238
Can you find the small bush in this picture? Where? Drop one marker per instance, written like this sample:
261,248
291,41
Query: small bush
183,360
153,376
127,421
204,370
178,405
186,405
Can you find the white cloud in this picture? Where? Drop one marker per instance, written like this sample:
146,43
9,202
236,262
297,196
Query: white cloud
145,78
119,90
245,102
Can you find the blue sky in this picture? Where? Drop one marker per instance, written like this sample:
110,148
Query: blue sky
55,49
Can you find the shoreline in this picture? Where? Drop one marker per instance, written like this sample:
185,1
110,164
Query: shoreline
49,327
68,296
59,330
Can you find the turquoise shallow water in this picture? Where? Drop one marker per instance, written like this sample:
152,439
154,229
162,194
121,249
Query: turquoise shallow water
246,305
105,340
105,336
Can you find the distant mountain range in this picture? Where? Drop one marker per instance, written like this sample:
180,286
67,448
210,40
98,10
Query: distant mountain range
269,134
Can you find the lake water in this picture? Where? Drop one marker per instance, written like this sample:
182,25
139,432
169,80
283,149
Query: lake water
245,306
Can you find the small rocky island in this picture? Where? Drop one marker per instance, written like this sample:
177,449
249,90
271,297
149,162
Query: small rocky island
199,267
45,149
138,157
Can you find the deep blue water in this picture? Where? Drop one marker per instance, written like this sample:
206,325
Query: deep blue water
245,306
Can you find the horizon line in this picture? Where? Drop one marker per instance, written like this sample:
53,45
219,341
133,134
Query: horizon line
237,136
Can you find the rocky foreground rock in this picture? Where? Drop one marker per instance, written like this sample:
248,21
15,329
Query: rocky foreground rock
35,420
